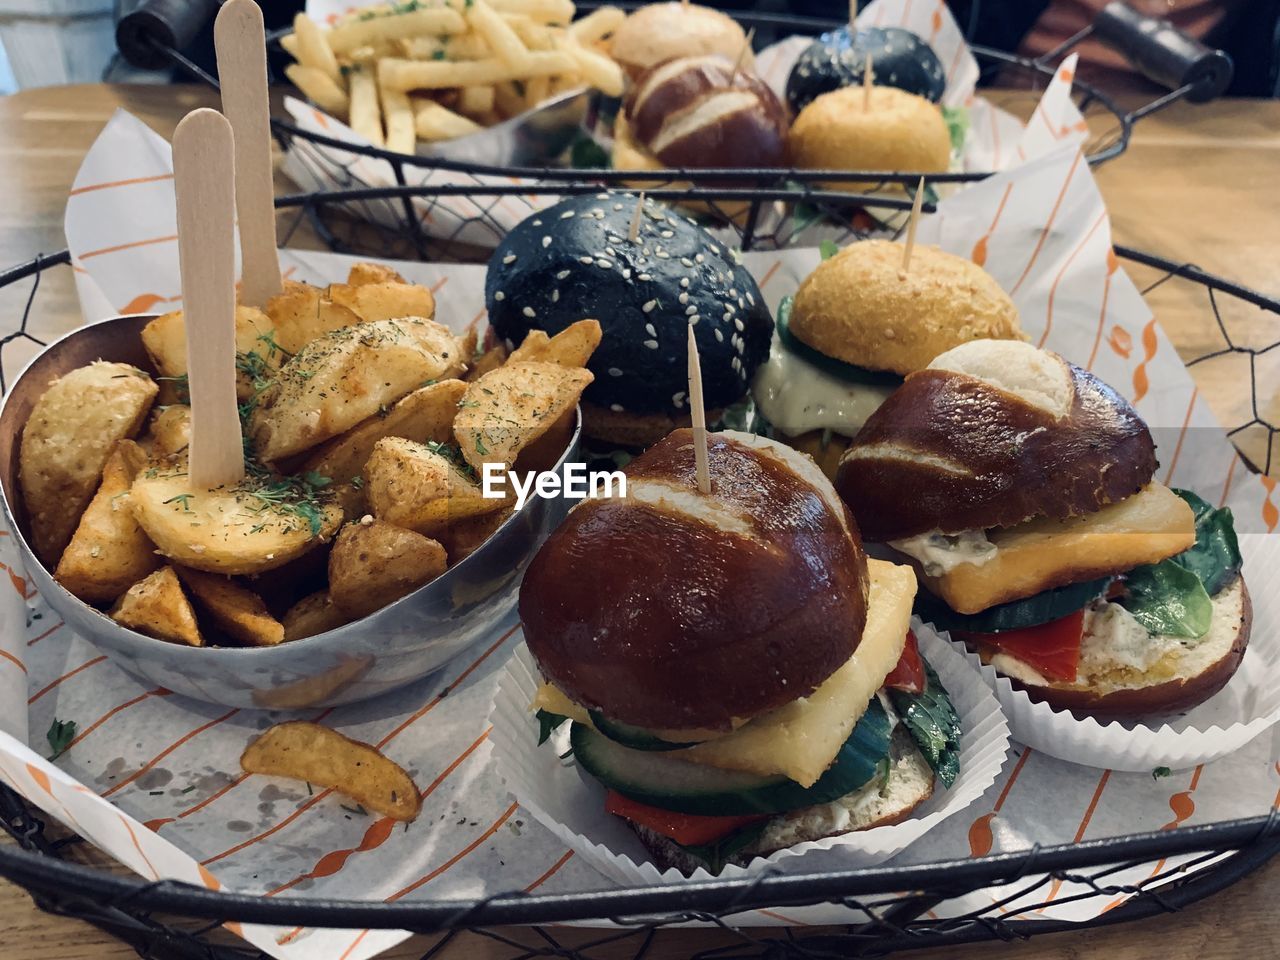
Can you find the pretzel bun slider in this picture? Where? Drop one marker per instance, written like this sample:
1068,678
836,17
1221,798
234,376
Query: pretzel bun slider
1022,489
720,655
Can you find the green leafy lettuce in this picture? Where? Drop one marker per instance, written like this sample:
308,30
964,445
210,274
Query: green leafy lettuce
957,119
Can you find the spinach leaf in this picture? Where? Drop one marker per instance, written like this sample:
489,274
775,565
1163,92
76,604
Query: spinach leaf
1215,557
931,720
716,855
1169,599
547,722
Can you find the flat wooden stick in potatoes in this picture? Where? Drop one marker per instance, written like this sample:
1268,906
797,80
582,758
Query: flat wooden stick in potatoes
325,758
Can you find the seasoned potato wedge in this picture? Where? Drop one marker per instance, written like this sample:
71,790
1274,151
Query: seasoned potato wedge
228,531
325,758
165,339
109,552
236,610
509,408
157,607
491,359
376,563
426,414
422,488
372,273
571,347
464,537
383,301
170,430
347,376
65,445
311,615
302,313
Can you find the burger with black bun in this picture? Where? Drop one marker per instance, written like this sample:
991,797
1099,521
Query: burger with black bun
739,676
899,58
700,111
857,326
1022,490
658,32
576,260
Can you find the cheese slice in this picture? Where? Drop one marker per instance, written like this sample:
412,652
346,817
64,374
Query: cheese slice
1031,557
801,739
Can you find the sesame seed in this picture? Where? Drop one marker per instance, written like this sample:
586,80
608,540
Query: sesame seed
651,344
586,260
693,318
599,214
529,312
727,316
615,372
509,258
719,337
649,305
686,261
610,251
691,310
555,296
751,298
700,258
537,223
568,214
645,277
499,296
626,274
733,292
602,196
742,303
562,274
546,242
616,407
604,264
677,398
617,206
736,364
739,324
684,282
648,328
683,298
667,234
663,255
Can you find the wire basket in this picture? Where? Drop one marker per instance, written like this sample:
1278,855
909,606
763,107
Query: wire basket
168,919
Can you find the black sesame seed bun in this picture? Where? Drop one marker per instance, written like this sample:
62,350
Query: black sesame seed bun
899,59
573,261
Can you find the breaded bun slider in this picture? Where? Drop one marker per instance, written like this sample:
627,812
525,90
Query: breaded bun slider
720,656
858,325
658,32
1022,489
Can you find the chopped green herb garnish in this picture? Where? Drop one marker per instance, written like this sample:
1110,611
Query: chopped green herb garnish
60,735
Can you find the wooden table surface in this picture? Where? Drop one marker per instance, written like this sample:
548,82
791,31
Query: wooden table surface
1198,184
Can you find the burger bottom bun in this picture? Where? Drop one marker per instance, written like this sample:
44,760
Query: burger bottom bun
911,783
1198,672
824,447
625,429
629,155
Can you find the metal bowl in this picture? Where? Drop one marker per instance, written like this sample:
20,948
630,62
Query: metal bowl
535,138
397,645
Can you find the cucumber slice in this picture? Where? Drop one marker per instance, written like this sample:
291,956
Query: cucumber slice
664,780
637,738
837,368
1015,615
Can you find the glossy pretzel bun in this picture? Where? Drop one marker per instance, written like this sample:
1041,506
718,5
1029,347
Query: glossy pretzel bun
900,132
1190,678
672,610
991,434
664,31
860,307
701,112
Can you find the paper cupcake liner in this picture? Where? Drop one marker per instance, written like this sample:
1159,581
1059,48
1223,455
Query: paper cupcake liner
1244,708
571,804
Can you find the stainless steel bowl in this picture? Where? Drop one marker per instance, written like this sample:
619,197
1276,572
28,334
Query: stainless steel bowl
397,645
535,138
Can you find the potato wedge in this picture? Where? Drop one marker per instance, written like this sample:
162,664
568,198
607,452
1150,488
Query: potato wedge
165,339
491,359
509,408
424,415
302,314
66,442
325,758
238,611
347,376
376,563
157,607
422,488
229,531
464,537
170,430
571,347
372,273
383,301
311,615
109,553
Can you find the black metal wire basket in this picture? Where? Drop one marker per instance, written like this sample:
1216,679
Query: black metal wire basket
169,919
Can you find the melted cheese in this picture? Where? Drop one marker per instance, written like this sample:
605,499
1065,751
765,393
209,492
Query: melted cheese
796,396
1153,524
801,739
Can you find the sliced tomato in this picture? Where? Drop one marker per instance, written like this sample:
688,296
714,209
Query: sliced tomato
908,675
684,828
1052,649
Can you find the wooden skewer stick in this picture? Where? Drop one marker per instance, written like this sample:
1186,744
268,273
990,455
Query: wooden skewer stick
242,68
204,182
742,54
699,417
911,226
853,18
868,81
633,232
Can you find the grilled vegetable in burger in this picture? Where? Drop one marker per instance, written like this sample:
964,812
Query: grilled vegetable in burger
576,260
658,32
857,326
1022,489
739,675
838,59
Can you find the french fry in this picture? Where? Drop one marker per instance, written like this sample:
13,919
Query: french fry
544,11
366,118
596,25
504,42
415,75
536,90
467,46
509,99
319,88
436,122
475,101
313,47
398,118
597,69
358,32
534,35
289,43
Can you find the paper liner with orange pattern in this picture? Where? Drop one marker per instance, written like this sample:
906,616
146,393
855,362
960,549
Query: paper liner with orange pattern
1247,706
571,804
